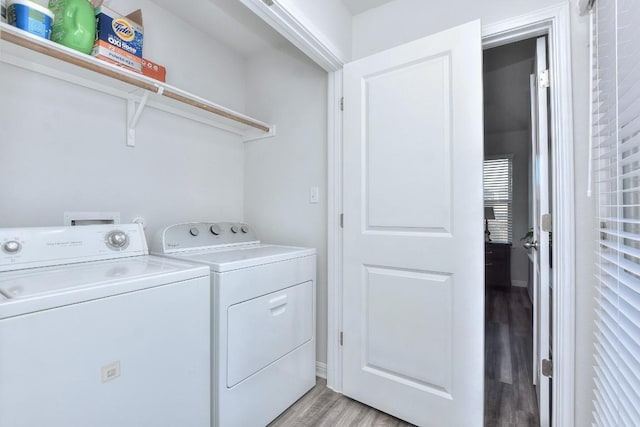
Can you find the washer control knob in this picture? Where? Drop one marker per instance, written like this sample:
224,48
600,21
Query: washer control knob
117,239
234,229
215,229
244,228
12,247
194,231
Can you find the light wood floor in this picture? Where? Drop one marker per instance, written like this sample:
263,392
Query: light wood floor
324,407
510,398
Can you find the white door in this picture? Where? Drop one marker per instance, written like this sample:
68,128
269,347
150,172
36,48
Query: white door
413,298
540,246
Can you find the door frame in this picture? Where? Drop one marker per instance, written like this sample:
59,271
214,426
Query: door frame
553,21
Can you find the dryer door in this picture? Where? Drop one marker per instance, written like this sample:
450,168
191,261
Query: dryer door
263,329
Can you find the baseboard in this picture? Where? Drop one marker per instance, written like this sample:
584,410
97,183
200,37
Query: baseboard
321,370
519,283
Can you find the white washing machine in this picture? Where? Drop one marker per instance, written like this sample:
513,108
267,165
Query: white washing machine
96,332
263,318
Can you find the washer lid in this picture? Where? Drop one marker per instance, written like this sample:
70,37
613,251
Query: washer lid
227,259
47,287
42,281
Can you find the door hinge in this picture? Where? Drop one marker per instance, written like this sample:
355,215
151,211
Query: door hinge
341,220
341,338
342,104
543,79
547,368
546,223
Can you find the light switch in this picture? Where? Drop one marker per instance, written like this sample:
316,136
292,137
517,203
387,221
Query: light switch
314,195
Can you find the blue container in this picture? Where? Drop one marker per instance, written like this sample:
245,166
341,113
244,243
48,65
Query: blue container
30,16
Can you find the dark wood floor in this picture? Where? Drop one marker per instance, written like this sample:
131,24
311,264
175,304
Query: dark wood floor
510,397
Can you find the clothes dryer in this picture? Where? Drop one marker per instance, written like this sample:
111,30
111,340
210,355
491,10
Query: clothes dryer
263,318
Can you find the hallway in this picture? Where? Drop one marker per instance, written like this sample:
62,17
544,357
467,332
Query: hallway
510,397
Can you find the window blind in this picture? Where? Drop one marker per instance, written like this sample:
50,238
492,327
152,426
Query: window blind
616,140
498,193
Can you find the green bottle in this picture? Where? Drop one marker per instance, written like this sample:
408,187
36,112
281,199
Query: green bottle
74,25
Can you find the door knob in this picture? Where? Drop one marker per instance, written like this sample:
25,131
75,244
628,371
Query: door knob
531,245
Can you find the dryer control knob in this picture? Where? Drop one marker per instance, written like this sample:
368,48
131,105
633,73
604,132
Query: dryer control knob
234,229
215,229
244,228
194,231
117,239
12,247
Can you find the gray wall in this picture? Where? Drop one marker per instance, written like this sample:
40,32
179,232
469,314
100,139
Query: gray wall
507,119
286,88
63,146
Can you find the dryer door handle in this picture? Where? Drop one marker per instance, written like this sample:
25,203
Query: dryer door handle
277,302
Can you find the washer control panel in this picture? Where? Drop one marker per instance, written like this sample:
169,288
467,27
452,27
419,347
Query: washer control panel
197,235
117,240
44,246
12,247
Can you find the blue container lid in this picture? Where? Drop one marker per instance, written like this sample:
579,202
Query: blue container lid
32,5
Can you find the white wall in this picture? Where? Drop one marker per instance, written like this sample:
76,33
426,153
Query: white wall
63,146
586,223
404,20
401,21
195,62
329,18
286,88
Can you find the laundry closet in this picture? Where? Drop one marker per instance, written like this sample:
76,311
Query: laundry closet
64,138
261,135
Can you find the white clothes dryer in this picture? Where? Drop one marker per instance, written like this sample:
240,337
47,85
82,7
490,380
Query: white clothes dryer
263,318
96,332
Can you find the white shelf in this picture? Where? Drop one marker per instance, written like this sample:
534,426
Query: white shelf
31,52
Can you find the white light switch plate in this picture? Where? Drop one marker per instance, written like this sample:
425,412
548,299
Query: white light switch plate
314,195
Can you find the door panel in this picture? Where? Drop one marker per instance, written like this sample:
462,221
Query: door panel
397,303
408,105
413,294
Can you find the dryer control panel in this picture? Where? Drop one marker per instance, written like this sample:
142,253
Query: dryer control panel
202,235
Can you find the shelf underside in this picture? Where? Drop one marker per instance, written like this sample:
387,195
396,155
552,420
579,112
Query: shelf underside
25,50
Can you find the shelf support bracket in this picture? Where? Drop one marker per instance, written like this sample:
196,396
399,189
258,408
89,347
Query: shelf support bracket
270,134
134,113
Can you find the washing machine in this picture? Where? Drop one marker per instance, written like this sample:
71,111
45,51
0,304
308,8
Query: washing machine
263,318
96,332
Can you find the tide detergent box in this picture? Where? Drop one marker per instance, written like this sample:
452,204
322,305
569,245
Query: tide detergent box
153,70
119,38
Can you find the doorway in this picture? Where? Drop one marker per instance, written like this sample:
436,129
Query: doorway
554,22
517,189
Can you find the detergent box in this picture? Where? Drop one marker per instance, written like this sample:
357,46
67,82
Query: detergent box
119,38
153,70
